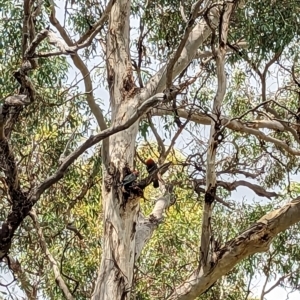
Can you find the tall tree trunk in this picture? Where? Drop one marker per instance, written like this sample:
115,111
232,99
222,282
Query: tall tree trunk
120,214
120,217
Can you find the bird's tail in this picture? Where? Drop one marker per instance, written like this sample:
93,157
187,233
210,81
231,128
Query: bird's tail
155,183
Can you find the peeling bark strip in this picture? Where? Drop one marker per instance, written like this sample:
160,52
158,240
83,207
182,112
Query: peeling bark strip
255,239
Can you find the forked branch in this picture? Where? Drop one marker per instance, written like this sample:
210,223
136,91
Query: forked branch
146,226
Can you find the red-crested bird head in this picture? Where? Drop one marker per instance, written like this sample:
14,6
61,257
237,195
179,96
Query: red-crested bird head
149,162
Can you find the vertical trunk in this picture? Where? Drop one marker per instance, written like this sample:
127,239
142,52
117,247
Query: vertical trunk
120,214
215,139
211,188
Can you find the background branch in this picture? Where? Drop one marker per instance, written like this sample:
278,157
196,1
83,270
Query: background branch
58,278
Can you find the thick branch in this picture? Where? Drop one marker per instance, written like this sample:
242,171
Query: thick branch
8,164
11,104
22,205
146,226
245,173
53,40
7,158
198,35
93,140
176,55
81,66
88,37
25,39
231,186
208,54
205,119
257,189
211,188
255,239
235,125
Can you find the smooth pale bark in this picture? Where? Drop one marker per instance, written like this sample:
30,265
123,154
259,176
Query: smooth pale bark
205,119
214,140
120,216
146,226
198,35
211,178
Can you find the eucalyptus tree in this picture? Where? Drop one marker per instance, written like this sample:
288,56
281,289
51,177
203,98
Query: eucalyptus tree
230,66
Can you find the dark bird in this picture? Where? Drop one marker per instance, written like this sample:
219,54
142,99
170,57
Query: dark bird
130,178
152,166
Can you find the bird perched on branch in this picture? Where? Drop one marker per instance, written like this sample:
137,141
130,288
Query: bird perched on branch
130,178
152,166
